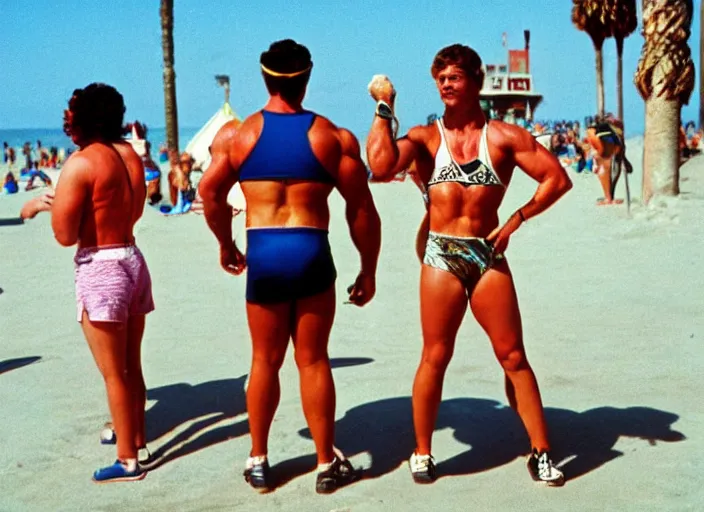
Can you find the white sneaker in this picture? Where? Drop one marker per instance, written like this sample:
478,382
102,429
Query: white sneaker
422,468
542,469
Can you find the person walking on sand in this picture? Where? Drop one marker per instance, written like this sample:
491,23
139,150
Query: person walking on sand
605,136
288,160
466,164
97,201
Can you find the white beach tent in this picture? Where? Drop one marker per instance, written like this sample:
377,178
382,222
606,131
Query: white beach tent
199,148
199,145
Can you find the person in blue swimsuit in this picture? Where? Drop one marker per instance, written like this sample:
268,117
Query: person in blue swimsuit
152,175
464,164
288,160
10,185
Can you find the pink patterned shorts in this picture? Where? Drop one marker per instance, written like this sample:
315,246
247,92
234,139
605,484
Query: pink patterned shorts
112,283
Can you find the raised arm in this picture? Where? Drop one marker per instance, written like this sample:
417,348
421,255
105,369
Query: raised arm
386,155
72,190
216,183
362,216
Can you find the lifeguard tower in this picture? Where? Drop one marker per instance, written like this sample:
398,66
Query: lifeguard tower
508,93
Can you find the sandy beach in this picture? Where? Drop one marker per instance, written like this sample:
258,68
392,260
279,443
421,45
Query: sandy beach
613,315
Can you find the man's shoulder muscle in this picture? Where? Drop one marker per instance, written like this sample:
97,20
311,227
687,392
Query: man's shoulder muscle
510,136
235,131
79,163
326,138
236,138
348,142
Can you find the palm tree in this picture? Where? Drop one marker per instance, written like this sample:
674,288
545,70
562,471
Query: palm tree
592,17
665,80
624,20
167,47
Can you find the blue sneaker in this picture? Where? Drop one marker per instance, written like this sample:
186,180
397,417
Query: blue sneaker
118,472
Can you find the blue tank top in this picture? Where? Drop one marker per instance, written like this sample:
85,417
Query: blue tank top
283,151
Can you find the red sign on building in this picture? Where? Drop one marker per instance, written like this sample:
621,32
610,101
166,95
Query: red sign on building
518,61
519,84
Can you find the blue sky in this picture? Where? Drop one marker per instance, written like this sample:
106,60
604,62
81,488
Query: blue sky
47,50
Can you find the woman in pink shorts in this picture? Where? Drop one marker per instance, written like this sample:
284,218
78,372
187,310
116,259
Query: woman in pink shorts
98,199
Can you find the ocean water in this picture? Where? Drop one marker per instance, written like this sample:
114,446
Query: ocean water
56,137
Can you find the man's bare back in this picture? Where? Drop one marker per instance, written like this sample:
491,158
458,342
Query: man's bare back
99,184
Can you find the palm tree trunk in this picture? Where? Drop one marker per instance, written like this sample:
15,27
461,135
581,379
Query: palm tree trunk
661,154
665,79
599,78
619,78
167,46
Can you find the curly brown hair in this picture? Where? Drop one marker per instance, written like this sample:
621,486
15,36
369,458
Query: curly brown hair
95,112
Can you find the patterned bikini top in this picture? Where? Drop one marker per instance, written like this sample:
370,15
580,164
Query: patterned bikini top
479,171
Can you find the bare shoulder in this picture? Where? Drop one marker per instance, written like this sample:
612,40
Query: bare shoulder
78,162
349,142
128,153
324,126
510,136
235,133
76,170
421,133
324,123
325,136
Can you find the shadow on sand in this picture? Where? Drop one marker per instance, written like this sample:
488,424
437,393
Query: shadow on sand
494,434
12,221
346,362
207,409
13,364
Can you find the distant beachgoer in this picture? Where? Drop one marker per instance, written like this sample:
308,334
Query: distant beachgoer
11,157
53,159
27,153
577,129
40,155
10,186
288,161
181,191
98,199
5,152
163,153
605,136
465,164
37,173
152,175
179,176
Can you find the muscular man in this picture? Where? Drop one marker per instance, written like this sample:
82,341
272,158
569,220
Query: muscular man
97,202
288,160
465,164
